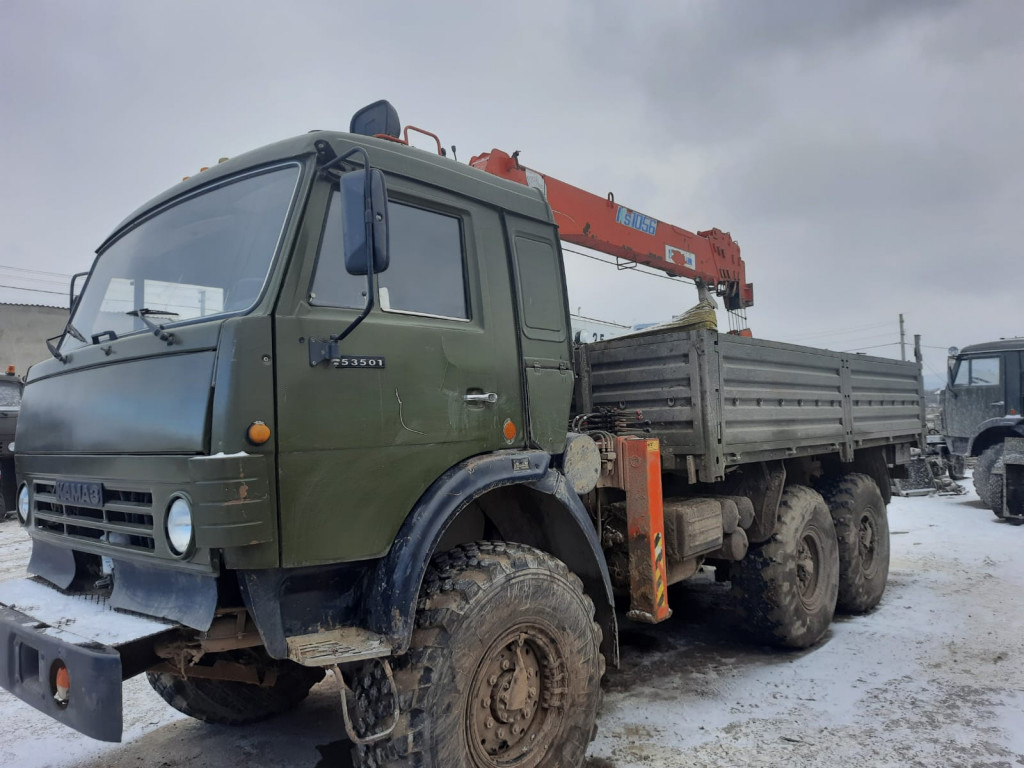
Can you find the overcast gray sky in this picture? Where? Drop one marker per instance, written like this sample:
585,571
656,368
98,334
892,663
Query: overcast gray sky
867,155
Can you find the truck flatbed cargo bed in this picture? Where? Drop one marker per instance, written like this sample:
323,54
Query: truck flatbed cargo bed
729,400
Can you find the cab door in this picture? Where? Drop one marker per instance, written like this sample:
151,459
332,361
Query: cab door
428,379
1015,382
544,330
979,394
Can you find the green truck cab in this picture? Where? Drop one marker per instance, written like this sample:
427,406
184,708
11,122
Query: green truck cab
982,407
10,406
202,450
311,412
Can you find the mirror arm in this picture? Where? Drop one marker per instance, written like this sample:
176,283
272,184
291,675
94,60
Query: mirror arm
330,350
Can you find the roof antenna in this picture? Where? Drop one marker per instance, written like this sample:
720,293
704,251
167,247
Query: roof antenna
454,155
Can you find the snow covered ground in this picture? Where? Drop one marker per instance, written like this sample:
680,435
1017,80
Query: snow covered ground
933,677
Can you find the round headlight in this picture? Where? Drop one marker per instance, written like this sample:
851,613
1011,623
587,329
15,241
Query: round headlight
23,503
179,525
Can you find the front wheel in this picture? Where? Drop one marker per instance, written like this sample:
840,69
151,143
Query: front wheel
987,482
862,532
788,586
504,667
956,466
228,702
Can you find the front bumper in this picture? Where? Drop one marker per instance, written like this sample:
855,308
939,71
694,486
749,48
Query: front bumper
41,628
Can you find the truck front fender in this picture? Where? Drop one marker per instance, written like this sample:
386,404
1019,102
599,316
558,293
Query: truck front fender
564,530
995,431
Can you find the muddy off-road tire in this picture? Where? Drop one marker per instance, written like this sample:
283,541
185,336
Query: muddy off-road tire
227,702
984,478
488,612
786,588
862,532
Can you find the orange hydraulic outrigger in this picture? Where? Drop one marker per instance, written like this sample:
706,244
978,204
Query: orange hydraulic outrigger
599,223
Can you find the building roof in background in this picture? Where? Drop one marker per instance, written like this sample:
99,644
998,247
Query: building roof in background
52,304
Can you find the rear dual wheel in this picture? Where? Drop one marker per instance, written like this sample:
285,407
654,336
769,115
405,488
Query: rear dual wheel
788,586
862,532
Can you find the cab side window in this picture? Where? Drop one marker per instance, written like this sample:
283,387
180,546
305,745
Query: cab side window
977,371
427,272
426,275
333,286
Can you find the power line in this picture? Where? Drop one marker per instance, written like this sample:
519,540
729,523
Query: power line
35,290
843,331
35,271
874,346
934,372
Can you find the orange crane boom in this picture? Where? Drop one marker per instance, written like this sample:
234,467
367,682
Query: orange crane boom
710,256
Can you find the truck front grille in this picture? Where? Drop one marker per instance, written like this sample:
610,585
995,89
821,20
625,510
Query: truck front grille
125,520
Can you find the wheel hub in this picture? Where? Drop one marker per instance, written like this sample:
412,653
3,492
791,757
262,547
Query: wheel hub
808,555
866,542
513,704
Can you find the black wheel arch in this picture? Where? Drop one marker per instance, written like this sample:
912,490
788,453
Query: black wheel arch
993,432
517,497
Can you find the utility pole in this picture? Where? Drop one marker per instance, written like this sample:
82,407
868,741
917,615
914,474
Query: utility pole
903,340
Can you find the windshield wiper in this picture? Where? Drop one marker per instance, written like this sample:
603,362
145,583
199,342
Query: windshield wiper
144,313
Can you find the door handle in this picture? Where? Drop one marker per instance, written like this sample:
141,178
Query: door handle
483,397
1001,402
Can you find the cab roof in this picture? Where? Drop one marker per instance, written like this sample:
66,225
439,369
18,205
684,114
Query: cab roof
391,157
1003,345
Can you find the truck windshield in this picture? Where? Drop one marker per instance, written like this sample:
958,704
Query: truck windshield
10,393
207,255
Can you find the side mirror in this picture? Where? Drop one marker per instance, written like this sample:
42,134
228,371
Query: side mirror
356,211
72,295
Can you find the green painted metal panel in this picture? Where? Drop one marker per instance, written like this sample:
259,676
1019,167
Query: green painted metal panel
358,446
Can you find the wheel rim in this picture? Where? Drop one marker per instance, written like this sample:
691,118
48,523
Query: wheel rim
867,538
516,699
808,569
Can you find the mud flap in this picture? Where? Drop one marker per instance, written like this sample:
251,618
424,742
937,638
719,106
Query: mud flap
1013,478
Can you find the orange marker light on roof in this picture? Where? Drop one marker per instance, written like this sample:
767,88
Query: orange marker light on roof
258,433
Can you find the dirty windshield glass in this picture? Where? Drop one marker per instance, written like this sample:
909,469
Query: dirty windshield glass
207,255
10,393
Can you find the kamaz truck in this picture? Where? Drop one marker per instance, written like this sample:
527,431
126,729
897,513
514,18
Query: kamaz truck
10,405
982,407
318,409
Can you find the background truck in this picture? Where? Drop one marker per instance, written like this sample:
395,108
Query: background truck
10,405
318,408
983,406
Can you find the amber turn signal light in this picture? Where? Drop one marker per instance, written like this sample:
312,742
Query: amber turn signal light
258,433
